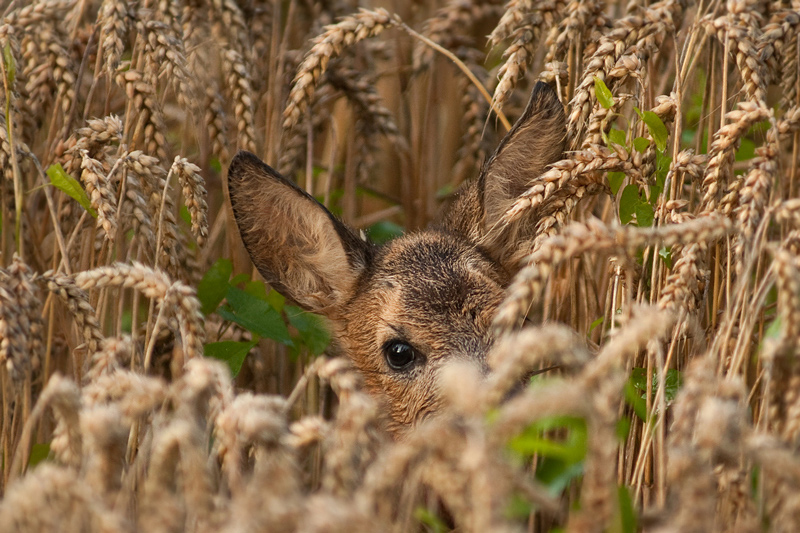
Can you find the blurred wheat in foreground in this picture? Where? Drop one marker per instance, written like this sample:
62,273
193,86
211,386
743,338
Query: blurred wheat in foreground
149,384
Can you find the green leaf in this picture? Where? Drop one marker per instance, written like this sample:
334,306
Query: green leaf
231,352
258,289
755,478
428,518
276,300
666,255
655,192
625,519
446,190
215,165
185,215
384,231
60,179
602,93
255,315
623,428
635,400
517,507
39,453
663,162
239,279
640,144
313,331
214,285
557,475
11,65
618,137
639,378
746,151
127,321
597,322
657,129
644,214
673,381
570,450
627,203
773,331
615,180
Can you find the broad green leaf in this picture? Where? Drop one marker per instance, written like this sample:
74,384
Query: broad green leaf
655,192
255,315
657,129
639,379
10,64
597,322
746,151
571,449
238,279
602,93
618,137
635,401
276,300
557,475
673,381
531,444
640,144
627,203
231,352
384,231
313,332
258,289
60,179
615,180
644,214
214,285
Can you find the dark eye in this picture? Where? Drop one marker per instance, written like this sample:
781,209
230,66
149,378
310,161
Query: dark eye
399,354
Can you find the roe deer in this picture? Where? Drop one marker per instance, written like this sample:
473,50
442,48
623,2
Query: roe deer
400,311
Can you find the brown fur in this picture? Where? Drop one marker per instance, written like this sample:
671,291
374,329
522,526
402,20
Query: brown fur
435,290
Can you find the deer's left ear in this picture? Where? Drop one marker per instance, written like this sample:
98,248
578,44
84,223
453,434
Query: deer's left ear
536,140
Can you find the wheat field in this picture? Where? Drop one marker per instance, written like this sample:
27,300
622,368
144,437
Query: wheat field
151,382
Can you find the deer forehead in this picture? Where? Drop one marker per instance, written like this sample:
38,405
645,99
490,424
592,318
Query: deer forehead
431,287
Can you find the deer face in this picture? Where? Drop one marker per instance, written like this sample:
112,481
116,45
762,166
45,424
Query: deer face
428,300
402,310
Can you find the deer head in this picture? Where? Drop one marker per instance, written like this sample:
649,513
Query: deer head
402,310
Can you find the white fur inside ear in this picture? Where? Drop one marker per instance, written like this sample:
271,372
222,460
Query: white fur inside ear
362,235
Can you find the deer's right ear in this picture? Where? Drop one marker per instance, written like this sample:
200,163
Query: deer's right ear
298,246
